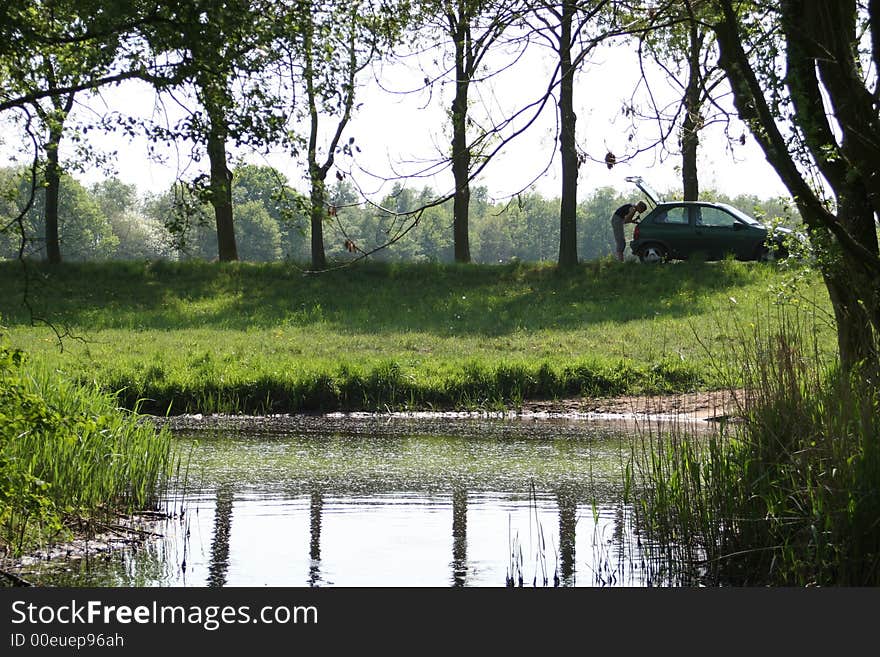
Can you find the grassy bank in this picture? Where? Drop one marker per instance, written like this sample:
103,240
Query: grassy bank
790,496
68,455
265,338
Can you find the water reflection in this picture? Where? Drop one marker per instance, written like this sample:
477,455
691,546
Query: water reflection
387,510
220,543
316,504
459,535
566,500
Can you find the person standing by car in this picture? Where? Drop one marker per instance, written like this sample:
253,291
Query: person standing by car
625,214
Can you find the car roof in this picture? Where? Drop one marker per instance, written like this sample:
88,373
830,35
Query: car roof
659,201
709,203
712,204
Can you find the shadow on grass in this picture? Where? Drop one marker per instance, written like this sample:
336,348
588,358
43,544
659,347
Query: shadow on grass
487,300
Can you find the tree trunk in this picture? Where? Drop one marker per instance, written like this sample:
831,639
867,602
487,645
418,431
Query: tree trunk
855,292
221,194
856,339
53,185
461,156
62,106
691,125
846,240
319,259
317,173
568,205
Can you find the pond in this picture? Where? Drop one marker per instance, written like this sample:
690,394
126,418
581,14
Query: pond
380,501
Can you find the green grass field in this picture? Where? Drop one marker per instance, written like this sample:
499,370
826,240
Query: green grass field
208,337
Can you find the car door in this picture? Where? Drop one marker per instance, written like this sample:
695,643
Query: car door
670,225
717,233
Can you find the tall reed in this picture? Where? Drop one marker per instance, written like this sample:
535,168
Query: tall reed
789,495
69,453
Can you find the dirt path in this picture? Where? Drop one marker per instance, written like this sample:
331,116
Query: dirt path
695,405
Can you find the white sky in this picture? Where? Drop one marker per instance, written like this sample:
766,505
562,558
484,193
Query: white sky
396,131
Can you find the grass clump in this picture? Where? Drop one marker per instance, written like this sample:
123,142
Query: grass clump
68,455
790,495
473,384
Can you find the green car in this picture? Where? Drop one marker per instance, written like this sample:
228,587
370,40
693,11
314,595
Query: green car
679,230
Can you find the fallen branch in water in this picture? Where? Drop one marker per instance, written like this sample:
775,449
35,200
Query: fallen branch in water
15,579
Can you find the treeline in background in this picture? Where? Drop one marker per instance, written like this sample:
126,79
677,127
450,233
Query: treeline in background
111,220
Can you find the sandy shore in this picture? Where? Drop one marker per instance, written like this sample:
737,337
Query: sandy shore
693,406
698,408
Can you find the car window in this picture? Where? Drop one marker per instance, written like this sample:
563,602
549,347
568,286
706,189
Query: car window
706,216
742,216
674,215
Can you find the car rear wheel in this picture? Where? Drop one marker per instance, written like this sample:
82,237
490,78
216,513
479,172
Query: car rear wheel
653,253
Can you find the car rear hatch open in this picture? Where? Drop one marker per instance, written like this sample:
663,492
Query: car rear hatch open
646,189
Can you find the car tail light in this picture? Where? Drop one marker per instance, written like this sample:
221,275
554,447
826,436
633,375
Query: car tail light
636,232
